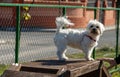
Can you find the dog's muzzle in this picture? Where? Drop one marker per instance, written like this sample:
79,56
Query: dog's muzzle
94,31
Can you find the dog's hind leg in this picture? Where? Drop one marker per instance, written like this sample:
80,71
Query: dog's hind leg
61,44
61,53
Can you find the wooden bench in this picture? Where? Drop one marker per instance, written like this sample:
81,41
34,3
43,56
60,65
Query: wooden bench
55,68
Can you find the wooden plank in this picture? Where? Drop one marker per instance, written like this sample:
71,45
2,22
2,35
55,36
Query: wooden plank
55,68
16,68
84,69
10,73
105,72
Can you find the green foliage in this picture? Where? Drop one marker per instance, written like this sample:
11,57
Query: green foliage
116,74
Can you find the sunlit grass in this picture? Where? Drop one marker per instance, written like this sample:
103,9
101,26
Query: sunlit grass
3,68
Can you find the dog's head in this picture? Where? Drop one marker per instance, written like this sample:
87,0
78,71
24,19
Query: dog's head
63,21
95,27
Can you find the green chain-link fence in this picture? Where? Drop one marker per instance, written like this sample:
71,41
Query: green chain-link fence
27,39
7,35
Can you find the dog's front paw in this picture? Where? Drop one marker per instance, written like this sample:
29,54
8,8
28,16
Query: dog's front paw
63,58
90,59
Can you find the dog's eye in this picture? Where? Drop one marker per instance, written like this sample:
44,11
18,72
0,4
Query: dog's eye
91,26
97,26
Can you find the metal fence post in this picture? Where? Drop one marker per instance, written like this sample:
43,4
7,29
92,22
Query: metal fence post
64,11
17,45
117,32
95,11
117,39
64,14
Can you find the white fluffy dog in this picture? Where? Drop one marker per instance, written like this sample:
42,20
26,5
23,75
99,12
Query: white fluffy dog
86,40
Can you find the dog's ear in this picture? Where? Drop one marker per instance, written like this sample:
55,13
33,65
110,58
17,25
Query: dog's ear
102,28
89,24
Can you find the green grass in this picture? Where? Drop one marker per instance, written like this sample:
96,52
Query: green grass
100,53
116,74
3,68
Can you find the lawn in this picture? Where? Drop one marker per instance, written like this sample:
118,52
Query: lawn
3,68
100,53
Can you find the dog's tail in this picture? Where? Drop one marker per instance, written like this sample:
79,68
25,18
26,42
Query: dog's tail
62,22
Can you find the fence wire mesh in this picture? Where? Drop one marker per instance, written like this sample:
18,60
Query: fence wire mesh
36,37
7,35
37,33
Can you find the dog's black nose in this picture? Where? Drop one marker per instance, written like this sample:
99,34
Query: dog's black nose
94,29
